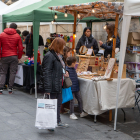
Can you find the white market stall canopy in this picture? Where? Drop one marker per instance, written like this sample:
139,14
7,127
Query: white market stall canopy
100,9
2,6
17,5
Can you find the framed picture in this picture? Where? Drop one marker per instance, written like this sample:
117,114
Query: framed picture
110,67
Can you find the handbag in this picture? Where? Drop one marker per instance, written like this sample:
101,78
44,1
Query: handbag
66,95
67,82
46,114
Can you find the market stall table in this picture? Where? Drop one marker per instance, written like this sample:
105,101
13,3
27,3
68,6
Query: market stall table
100,96
25,75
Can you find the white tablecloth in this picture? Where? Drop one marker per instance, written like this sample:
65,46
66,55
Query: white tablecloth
100,96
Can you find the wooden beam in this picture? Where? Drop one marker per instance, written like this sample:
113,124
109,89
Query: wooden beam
74,32
115,33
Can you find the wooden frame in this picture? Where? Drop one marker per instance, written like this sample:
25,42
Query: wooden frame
74,32
114,39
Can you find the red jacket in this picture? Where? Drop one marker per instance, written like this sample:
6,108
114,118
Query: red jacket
10,43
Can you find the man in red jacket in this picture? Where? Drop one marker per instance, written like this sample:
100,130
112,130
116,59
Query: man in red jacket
11,50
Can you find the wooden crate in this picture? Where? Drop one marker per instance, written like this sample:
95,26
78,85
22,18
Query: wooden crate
91,58
83,65
115,75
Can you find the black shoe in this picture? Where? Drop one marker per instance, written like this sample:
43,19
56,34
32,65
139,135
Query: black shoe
52,130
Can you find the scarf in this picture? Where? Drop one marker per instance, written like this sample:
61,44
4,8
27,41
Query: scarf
61,60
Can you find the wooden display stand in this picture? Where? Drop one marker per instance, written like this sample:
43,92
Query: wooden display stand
92,59
116,67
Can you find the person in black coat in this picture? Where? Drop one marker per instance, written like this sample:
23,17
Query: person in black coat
87,40
53,74
29,43
109,44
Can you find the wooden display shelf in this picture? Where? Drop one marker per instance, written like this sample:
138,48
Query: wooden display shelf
86,56
92,58
93,65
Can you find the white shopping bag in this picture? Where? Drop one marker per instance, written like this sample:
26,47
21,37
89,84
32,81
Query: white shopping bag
46,114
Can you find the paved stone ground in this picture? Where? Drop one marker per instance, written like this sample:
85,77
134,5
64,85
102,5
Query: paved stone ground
17,119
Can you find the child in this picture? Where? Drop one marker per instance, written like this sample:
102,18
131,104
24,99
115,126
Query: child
66,53
71,61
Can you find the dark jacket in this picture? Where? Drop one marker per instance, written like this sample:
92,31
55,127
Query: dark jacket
74,79
52,73
108,47
29,44
88,42
10,43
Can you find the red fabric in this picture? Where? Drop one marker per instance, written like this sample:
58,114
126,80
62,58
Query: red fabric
10,43
38,58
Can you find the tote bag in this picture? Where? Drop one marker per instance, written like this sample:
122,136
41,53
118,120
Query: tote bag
66,95
46,114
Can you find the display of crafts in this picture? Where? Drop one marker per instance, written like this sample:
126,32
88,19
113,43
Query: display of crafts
30,61
83,65
91,76
98,78
54,35
85,73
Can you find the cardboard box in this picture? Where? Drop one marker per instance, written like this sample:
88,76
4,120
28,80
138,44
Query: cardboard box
133,38
130,57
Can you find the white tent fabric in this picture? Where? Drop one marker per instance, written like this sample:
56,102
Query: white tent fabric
131,8
2,6
17,5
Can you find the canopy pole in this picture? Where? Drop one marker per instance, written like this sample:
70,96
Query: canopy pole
113,52
124,37
74,32
3,26
36,25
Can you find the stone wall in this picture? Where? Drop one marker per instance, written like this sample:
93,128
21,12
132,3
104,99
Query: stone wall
69,30
44,30
66,30
97,30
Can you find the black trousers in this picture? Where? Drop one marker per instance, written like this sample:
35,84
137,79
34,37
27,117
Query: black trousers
57,96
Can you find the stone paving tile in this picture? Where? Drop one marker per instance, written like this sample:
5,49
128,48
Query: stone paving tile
17,113
44,136
4,127
10,135
23,116
73,133
12,109
2,109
